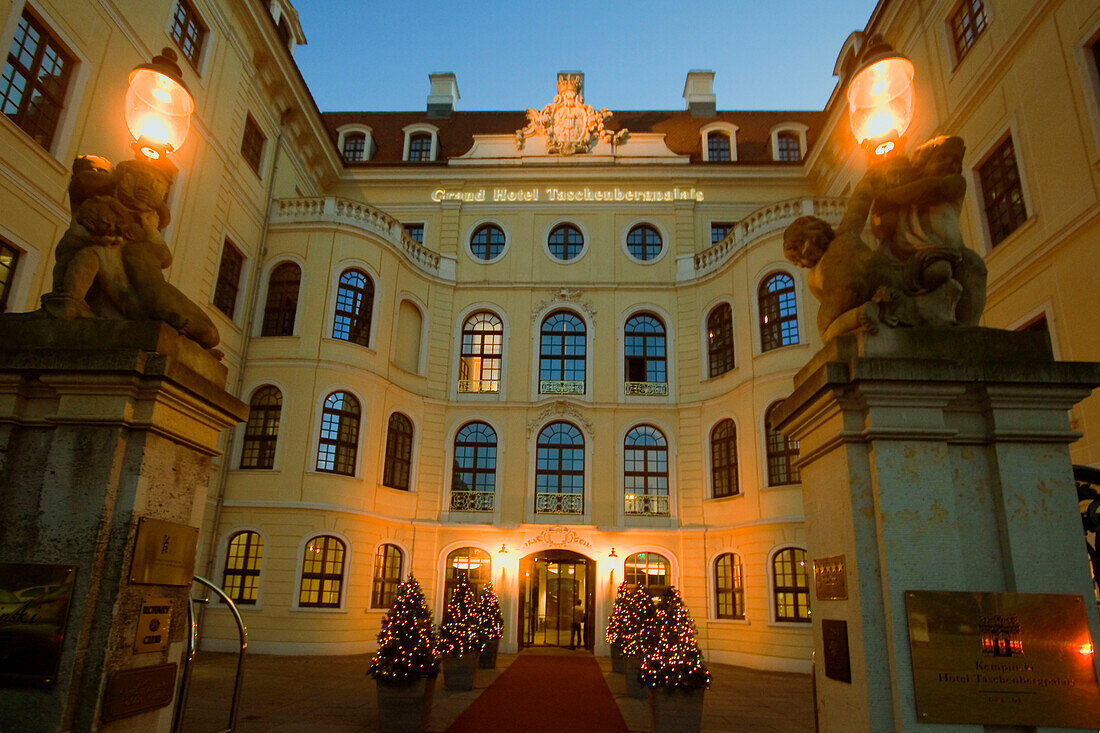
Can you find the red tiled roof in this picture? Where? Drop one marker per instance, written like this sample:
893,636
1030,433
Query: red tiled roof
680,128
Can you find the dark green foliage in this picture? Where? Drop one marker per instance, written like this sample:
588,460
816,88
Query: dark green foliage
615,623
490,621
674,661
637,629
406,649
458,633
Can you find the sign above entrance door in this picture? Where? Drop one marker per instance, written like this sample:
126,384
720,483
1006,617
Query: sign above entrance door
557,537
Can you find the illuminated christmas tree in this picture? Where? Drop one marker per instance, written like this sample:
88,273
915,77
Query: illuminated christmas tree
674,661
406,648
490,621
615,623
458,633
636,630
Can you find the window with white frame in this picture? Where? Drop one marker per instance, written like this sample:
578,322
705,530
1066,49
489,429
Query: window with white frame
421,143
718,142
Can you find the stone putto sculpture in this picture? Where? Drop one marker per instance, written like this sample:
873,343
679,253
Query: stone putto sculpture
920,273
109,262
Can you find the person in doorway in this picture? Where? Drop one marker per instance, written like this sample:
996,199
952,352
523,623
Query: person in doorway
576,636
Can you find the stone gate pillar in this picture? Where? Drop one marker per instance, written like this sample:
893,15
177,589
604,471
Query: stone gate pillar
937,460
107,430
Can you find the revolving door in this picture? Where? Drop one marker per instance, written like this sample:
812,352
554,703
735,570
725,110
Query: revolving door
550,584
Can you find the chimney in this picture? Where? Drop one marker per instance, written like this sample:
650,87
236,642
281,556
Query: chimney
699,93
444,94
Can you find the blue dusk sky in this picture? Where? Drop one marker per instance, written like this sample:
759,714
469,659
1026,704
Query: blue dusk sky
635,55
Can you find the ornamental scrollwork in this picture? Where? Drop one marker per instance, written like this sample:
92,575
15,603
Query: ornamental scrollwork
568,124
558,409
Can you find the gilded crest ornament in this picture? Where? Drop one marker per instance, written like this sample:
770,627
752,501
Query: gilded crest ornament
568,124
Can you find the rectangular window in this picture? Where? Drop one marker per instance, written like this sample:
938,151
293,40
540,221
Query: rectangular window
9,258
416,231
35,79
188,31
719,230
252,144
229,279
967,23
1002,192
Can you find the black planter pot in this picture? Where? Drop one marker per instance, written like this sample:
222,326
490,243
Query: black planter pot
617,658
404,707
488,658
458,672
676,710
634,686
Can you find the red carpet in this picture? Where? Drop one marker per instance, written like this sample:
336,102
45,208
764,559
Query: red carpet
545,693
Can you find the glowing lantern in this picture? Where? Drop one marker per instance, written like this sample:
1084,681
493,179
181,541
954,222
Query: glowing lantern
880,97
158,106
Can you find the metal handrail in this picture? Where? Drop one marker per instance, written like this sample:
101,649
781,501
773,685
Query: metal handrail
189,657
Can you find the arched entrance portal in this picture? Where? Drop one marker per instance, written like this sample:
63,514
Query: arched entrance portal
550,584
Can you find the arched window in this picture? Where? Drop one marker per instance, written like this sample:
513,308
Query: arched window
648,570
339,434
354,304
474,474
282,300
720,339
778,312
644,242
261,432
565,242
645,356
399,437
387,575
487,242
645,471
729,586
561,354
782,453
788,146
723,458
791,585
471,563
482,348
559,470
322,573
718,147
420,146
241,578
355,146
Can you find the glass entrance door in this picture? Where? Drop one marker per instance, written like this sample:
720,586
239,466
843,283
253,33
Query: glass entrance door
552,583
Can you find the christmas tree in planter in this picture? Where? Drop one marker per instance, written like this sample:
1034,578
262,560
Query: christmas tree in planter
674,669
637,634
405,664
490,626
458,639
615,625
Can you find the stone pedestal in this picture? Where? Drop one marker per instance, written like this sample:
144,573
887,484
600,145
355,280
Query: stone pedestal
103,424
931,460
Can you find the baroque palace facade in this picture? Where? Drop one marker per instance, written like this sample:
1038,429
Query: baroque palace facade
534,347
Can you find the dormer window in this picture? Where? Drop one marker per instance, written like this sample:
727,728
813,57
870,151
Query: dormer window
421,143
788,148
420,146
719,142
788,142
355,143
718,147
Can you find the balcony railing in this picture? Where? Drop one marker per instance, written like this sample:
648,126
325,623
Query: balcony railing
549,386
472,501
647,505
646,388
478,385
559,503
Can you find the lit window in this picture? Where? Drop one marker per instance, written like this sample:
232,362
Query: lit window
562,354
782,452
645,355
322,573
399,437
420,146
252,144
645,472
487,242
791,585
188,31
241,578
387,576
35,79
9,258
282,300
648,570
416,231
720,340
719,230
471,563
339,442
355,146
788,146
729,586
229,279
566,242
261,432
967,23
354,306
1002,192
644,242
718,147
473,474
482,350
559,470
723,459
778,312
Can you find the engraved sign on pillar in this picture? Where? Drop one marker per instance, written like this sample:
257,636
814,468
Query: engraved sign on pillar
164,553
153,624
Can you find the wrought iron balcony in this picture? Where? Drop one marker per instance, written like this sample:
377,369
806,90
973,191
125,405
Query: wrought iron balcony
549,386
647,505
472,501
559,503
646,388
478,385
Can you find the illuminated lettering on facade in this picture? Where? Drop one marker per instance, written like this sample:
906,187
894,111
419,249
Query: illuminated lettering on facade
555,194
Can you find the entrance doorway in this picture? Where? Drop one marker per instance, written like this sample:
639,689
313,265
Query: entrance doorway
550,584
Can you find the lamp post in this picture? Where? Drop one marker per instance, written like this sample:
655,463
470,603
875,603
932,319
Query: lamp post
158,107
880,97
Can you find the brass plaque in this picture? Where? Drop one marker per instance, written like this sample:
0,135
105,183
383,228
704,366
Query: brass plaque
838,661
133,691
34,611
1002,659
164,553
830,578
153,622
